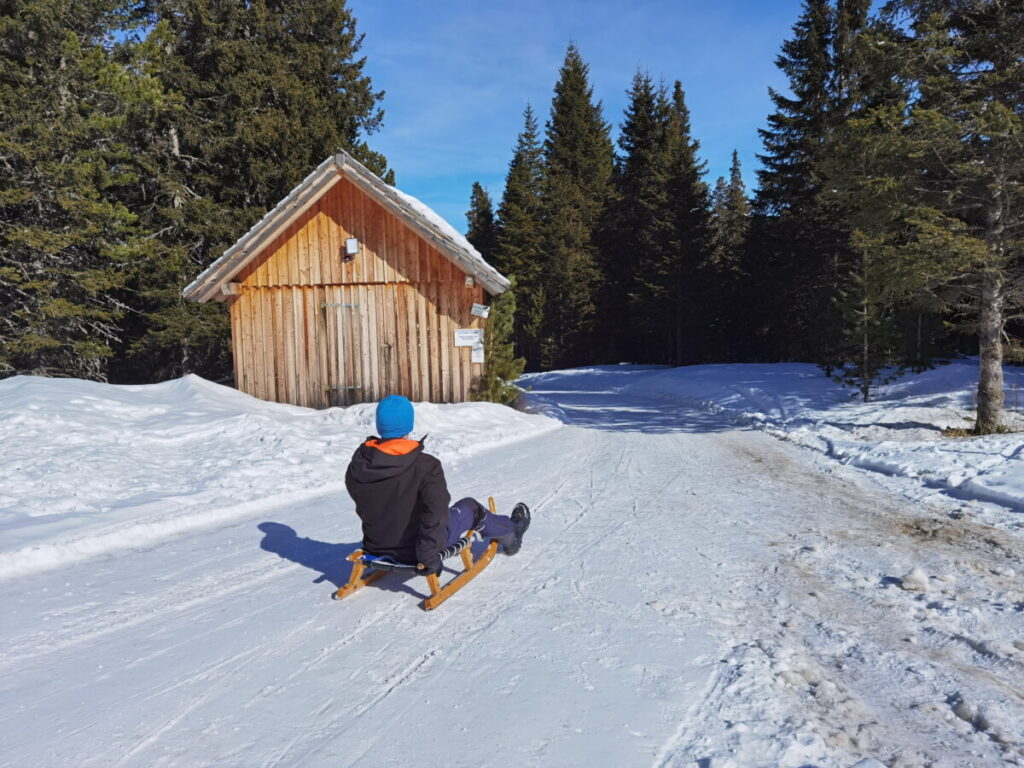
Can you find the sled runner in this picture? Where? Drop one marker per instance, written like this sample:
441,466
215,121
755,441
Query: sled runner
378,566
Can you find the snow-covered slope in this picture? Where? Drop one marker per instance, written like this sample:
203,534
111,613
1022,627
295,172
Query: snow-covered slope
692,592
89,468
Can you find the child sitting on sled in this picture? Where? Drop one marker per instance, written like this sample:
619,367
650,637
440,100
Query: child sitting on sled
402,498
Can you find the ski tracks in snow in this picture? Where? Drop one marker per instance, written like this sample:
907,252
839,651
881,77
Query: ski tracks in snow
833,659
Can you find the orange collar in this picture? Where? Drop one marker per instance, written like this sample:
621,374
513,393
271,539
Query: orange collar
398,446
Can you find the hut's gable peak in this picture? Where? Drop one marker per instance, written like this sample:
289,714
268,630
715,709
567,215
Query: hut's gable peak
427,224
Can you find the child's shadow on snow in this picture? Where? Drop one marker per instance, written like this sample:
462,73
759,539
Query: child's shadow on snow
322,556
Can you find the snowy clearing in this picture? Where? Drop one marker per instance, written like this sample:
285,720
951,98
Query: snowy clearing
899,433
693,591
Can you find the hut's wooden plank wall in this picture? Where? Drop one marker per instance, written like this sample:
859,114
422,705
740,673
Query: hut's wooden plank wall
308,251
313,330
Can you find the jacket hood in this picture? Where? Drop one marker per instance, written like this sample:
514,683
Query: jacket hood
371,464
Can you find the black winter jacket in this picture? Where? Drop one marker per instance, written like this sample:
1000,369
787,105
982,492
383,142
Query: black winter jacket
402,498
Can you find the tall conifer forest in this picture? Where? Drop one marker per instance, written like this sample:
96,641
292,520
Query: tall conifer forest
140,138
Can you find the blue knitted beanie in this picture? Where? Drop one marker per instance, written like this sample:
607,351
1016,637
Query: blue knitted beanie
394,417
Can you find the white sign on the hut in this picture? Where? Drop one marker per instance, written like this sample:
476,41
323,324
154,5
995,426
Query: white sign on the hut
468,337
477,354
480,310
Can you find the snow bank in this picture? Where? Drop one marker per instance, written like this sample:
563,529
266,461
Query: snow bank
89,468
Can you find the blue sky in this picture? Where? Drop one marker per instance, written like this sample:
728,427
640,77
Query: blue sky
457,74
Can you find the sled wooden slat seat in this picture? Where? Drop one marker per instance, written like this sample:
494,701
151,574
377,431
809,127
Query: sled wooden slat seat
368,568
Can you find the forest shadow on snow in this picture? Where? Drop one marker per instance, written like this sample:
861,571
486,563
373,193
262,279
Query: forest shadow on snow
620,413
605,397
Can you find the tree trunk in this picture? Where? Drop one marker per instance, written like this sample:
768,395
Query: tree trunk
990,315
990,347
865,362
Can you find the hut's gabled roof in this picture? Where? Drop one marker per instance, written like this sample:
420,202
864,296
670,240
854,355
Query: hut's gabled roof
418,216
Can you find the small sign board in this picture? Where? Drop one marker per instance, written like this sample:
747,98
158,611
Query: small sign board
468,337
477,355
480,310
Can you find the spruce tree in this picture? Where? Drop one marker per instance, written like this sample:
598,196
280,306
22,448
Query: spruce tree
265,91
501,366
577,184
699,289
805,246
731,217
164,335
938,192
852,81
638,298
65,239
869,303
728,229
520,252
799,124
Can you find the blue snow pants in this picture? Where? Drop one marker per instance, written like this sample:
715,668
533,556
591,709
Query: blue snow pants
460,520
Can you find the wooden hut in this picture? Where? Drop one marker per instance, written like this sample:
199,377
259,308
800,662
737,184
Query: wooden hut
350,290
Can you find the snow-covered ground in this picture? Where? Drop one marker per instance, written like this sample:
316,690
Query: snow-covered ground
693,591
90,468
899,433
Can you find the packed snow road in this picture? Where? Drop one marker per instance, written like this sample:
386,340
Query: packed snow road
690,593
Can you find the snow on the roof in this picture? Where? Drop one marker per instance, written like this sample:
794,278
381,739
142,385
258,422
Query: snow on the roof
436,220
447,229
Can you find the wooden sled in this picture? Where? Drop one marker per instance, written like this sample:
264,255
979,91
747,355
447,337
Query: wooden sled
366,569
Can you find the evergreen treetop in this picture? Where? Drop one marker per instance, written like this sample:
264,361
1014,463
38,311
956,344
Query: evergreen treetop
481,231
731,217
797,127
577,146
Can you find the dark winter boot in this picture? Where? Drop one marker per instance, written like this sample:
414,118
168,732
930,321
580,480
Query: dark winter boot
520,521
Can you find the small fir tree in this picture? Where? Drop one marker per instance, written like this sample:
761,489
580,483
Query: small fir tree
501,366
870,342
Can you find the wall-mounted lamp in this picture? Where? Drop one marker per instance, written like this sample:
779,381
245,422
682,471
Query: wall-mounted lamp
351,249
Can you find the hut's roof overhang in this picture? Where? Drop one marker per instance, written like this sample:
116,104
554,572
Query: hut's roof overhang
421,219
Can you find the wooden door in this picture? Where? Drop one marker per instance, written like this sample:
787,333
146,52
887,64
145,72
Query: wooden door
344,321
391,353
